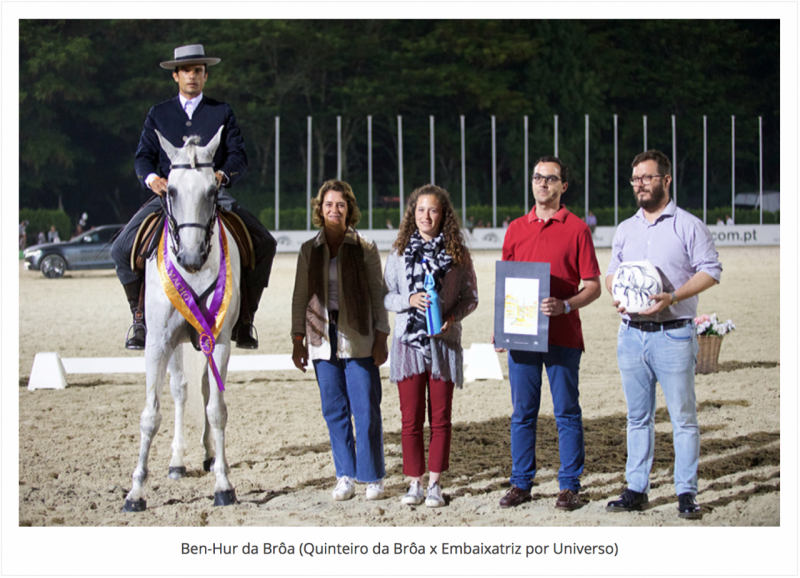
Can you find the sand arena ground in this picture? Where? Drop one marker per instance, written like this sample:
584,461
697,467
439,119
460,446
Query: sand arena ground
78,447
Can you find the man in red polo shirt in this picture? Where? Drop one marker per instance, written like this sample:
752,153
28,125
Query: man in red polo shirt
551,234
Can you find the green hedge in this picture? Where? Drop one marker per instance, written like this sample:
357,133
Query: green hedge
295,219
743,216
42,219
605,215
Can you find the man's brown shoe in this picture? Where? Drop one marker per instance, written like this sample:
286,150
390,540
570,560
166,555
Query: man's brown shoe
514,497
568,500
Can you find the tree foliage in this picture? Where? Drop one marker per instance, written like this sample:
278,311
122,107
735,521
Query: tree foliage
86,86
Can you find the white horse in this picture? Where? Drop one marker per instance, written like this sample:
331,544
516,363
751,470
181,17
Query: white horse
192,244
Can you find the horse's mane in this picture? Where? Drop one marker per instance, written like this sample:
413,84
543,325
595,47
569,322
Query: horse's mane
191,149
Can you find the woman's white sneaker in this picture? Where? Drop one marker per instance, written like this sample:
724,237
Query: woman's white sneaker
414,496
344,490
434,499
375,490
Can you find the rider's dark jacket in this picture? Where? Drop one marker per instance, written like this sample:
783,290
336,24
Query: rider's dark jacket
172,122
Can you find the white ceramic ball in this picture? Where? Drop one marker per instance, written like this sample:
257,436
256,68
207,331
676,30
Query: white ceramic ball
634,282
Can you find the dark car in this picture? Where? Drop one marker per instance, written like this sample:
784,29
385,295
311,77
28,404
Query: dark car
89,250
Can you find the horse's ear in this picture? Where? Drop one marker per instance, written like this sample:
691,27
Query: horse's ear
212,145
171,151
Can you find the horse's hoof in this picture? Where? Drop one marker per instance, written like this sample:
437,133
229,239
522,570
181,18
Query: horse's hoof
225,498
207,464
177,472
139,505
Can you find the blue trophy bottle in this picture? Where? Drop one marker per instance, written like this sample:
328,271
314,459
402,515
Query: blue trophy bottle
433,313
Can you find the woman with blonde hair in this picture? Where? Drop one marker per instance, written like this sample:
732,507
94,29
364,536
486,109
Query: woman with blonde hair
340,323
429,241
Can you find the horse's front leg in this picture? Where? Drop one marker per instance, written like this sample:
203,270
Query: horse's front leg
217,413
177,385
208,444
156,360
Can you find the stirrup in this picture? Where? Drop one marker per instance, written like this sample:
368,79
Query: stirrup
136,341
246,336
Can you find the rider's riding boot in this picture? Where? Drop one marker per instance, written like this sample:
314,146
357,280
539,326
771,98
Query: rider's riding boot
246,335
244,332
136,333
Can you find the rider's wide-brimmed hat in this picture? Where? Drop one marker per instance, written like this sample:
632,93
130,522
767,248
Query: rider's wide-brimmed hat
190,54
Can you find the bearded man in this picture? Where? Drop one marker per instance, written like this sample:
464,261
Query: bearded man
659,344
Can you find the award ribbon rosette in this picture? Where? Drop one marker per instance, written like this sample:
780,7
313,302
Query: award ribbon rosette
207,322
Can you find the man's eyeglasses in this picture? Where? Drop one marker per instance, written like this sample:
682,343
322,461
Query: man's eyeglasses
644,179
551,179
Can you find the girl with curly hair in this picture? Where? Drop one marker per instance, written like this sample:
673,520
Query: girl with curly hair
429,241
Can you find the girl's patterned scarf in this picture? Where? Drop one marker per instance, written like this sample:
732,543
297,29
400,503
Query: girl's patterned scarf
420,258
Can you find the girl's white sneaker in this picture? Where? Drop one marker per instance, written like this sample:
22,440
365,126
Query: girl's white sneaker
414,496
434,499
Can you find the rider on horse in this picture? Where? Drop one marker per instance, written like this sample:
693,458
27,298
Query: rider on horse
189,114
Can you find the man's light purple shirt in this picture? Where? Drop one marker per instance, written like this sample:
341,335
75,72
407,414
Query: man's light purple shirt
678,244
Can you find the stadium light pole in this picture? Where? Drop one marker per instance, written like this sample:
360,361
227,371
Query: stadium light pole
674,161
586,205
433,149
705,167
555,135
308,177
463,175
616,173
277,173
494,173
760,171
338,148
526,177
644,130
400,160
733,168
369,169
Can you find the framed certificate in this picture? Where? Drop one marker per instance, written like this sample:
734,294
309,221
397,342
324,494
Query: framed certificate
520,287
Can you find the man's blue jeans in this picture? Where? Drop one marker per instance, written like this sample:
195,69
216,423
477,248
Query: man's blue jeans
525,374
352,387
668,357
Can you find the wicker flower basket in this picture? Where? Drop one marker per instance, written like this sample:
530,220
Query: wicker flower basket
708,357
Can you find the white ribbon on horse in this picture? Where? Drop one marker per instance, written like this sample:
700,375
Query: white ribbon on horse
207,322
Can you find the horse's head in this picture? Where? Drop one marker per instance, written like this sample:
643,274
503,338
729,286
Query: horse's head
191,199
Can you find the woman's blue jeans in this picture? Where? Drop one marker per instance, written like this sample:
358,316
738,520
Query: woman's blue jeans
525,375
352,387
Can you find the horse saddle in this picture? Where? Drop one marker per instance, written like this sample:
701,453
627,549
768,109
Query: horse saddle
149,234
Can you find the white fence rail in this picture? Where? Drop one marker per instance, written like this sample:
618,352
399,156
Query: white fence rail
524,178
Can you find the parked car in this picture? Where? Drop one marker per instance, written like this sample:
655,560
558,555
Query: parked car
89,250
772,200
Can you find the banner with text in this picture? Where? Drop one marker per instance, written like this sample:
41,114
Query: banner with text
724,236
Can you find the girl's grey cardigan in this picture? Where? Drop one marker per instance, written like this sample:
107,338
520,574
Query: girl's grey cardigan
459,298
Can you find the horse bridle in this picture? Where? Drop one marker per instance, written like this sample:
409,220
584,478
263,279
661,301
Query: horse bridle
174,227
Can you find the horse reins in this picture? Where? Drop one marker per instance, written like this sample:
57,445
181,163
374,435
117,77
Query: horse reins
174,227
